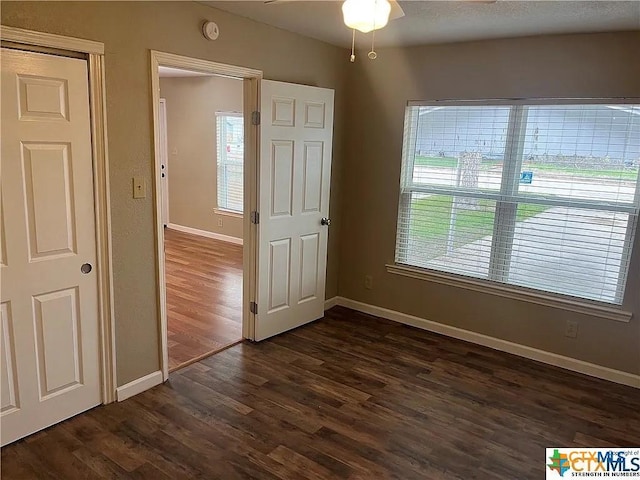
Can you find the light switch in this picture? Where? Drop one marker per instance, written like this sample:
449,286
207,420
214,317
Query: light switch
139,187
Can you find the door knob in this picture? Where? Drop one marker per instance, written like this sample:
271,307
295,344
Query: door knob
326,222
86,268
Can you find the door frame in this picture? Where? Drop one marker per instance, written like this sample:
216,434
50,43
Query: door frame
251,92
164,152
93,53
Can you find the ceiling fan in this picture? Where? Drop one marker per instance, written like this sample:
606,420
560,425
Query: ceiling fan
368,16
365,16
394,12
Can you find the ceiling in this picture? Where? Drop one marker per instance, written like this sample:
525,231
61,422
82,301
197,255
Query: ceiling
444,21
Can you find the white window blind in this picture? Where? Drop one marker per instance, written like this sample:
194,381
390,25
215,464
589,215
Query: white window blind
230,160
539,196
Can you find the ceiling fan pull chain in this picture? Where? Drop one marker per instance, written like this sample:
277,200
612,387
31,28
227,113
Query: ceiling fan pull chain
372,54
353,46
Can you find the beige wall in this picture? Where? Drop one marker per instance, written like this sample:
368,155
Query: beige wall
192,104
129,30
601,65
364,197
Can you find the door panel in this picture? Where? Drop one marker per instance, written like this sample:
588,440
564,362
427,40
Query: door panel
8,372
295,169
280,267
281,178
57,342
49,340
312,177
49,199
283,110
42,98
3,240
314,115
309,245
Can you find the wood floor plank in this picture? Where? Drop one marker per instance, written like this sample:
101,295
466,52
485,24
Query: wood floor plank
204,295
326,402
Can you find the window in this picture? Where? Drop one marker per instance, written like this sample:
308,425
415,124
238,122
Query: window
230,153
533,195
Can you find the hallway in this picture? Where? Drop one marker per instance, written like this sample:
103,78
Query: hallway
204,296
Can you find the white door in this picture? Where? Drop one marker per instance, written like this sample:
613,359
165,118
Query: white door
164,165
49,341
295,173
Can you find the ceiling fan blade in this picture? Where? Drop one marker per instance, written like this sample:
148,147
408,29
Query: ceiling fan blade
396,10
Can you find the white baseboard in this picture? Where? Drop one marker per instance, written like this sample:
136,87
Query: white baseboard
139,385
330,303
543,356
205,233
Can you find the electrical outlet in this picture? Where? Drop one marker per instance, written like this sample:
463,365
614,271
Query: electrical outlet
368,282
220,222
571,330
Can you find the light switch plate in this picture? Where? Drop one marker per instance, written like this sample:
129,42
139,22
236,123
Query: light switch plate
139,187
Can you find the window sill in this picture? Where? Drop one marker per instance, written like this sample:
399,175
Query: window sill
227,213
573,305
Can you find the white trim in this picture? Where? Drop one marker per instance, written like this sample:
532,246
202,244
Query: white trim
222,113
163,159
102,200
203,66
515,293
251,102
228,213
49,40
205,233
524,101
159,235
575,365
330,303
251,91
139,385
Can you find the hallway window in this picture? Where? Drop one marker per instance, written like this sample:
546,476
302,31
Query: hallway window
543,196
230,153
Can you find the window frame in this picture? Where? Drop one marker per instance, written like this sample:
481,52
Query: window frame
225,210
507,200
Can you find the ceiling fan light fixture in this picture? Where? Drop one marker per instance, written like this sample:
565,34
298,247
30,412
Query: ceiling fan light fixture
366,15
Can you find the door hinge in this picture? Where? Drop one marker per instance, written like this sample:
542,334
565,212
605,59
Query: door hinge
253,308
255,217
255,118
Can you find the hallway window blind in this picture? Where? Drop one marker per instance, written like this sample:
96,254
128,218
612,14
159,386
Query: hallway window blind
534,195
230,160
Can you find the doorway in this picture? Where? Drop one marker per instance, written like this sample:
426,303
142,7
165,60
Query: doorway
202,160
205,145
286,185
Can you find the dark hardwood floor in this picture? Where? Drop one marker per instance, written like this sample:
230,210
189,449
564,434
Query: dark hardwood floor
348,397
204,296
